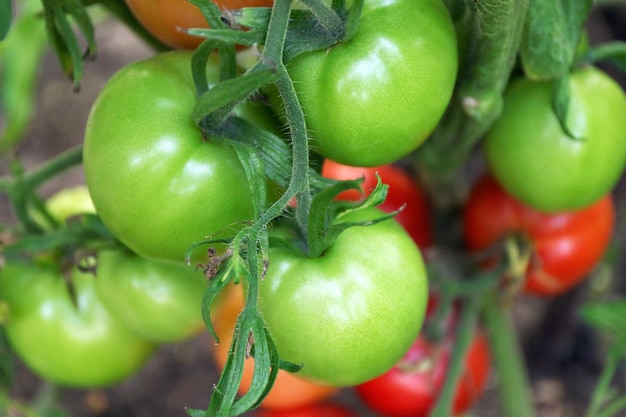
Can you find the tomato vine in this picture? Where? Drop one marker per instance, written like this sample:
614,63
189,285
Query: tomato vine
499,40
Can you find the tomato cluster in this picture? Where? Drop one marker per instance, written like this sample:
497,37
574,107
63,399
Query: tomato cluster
98,323
340,288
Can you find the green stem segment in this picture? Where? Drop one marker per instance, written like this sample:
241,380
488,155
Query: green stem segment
20,189
517,399
463,340
493,31
601,391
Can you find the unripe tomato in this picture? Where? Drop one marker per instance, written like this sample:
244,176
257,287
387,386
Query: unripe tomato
350,314
533,158
375,98
77,345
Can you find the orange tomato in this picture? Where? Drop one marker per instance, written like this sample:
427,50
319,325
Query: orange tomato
289,391
164,19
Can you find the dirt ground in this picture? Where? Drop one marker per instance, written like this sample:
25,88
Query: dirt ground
563,355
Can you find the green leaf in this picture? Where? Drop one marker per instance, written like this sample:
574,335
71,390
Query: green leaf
20,60
214,105
63,39
6,15
608,319
6,358
551,35
612,52
560,103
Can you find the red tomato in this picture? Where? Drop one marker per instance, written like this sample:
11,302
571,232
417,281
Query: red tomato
566,245
322,410
415,218
289,391
164,19
411,388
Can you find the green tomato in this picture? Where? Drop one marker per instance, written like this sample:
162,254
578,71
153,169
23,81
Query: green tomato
77,345
352,313
375,98
155,181
69,202
538,163
161,301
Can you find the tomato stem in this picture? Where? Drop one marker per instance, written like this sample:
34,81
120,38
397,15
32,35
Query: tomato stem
493,30
601,390
463,339
514,384
21,188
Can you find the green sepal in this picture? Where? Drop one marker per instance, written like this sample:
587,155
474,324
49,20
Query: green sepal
324,223
560,103
551,36
304,34
230,36
6,16
211,12
607,317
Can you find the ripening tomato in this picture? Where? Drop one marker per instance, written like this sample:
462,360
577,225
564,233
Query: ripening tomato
403,191
566,245
289,390
412,387
166,19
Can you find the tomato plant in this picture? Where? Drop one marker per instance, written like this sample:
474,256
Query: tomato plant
289,392
71,341
411,387
565,246
539,163
161,301
403,192
350,314
157,184
375,98
167,19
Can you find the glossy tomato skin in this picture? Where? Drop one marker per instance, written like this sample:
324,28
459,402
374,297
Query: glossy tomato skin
538,163
375,98
411,388
403,191
289,392
350,314
156,183
321,410
160,301
566,246
164,19
80,345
